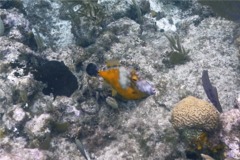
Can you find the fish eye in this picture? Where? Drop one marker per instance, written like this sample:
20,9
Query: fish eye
134,78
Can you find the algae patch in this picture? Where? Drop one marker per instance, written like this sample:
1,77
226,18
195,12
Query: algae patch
1,27
178,54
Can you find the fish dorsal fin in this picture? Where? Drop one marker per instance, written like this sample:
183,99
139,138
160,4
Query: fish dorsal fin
134,76
114,92
112,63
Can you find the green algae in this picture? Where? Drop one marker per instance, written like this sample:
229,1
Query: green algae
2,133
19,96
1,27
178,54
59,127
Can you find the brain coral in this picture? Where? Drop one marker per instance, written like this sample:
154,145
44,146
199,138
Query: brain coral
194,113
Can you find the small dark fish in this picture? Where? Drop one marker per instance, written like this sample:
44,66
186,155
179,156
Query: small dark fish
92,69
82,149
211,91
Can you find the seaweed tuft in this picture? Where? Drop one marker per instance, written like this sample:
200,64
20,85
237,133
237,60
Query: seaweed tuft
178,54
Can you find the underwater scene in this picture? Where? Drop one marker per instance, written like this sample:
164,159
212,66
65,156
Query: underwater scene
119,80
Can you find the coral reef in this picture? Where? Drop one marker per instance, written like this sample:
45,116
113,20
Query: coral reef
38,125
221,139
86,18
34,124
43,14
197,123
25,153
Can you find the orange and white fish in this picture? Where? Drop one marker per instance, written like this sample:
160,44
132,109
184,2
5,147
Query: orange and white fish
124,81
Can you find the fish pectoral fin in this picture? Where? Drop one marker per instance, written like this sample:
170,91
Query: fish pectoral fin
134,92
106,85
133,85
114,92
113,63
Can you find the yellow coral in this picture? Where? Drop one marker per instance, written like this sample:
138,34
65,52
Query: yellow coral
201,141
194,113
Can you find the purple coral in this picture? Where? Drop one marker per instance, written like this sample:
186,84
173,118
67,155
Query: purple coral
230,133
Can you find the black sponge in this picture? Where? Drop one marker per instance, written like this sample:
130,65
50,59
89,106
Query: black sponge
92,69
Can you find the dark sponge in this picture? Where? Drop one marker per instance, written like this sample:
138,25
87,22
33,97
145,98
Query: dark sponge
92,69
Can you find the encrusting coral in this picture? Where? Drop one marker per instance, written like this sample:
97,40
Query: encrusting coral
229,133
192,112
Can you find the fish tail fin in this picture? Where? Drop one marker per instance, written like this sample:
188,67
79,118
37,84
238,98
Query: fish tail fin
92,69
